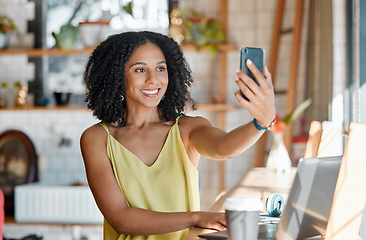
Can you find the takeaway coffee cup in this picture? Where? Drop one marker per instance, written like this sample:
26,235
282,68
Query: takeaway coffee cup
242,216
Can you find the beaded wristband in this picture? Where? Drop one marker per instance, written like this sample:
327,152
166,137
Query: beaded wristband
263,128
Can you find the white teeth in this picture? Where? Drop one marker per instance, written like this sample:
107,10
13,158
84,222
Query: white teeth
150,91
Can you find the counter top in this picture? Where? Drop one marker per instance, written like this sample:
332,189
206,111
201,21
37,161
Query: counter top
10,220
258,182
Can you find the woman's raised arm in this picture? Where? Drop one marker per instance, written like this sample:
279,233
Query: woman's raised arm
217,144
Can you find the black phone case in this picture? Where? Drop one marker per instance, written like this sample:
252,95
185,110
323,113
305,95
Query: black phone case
256,55
215,235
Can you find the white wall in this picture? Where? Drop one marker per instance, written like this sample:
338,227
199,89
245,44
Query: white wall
59,164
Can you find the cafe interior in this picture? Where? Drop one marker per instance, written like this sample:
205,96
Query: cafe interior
315,51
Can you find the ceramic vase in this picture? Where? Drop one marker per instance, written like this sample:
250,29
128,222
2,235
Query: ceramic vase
5,40
278,159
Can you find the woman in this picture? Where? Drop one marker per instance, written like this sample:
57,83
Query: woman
141,160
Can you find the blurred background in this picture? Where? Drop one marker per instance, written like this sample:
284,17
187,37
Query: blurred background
314,49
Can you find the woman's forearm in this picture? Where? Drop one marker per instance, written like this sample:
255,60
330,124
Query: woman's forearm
238,140
217,144
137,221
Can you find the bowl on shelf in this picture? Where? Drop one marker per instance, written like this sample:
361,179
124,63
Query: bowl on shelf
93,33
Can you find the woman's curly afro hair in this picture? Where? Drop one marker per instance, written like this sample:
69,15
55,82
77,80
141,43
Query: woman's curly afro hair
104,76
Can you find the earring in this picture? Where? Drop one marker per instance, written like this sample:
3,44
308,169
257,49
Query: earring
122,98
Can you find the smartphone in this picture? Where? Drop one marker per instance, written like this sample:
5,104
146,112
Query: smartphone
256,55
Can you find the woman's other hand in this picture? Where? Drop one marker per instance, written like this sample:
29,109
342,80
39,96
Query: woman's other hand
210,220
261,102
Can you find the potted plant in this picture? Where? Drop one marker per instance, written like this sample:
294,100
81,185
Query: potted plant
202,31
278,158
7,27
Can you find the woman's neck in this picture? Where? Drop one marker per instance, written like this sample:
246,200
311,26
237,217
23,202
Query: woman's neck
139,117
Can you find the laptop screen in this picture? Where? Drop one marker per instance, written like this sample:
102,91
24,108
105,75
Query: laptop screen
308,206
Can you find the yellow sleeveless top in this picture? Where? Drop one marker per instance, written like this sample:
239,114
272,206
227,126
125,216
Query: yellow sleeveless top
169,185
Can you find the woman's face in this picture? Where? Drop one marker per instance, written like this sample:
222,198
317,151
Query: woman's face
146,76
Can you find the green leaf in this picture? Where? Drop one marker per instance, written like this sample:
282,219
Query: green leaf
4,84
128,8
212,49
288,119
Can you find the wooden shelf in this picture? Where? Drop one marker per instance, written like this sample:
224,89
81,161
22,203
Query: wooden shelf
222,47
216,107
46,108
201,107
39,52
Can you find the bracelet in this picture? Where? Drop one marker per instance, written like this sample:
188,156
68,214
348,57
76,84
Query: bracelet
263,128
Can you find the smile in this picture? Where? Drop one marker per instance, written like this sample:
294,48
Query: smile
150,92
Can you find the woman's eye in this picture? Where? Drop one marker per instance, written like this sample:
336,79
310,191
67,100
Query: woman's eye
140,70
161,69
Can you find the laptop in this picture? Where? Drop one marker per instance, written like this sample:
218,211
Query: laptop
308,205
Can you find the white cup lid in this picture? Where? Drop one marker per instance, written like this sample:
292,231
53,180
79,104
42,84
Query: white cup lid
243,204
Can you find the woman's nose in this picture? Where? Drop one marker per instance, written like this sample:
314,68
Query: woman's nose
151,78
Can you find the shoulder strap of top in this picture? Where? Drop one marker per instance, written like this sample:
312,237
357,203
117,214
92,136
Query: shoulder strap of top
176,120
105,127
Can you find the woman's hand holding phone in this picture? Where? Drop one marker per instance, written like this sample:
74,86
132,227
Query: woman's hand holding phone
261,101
